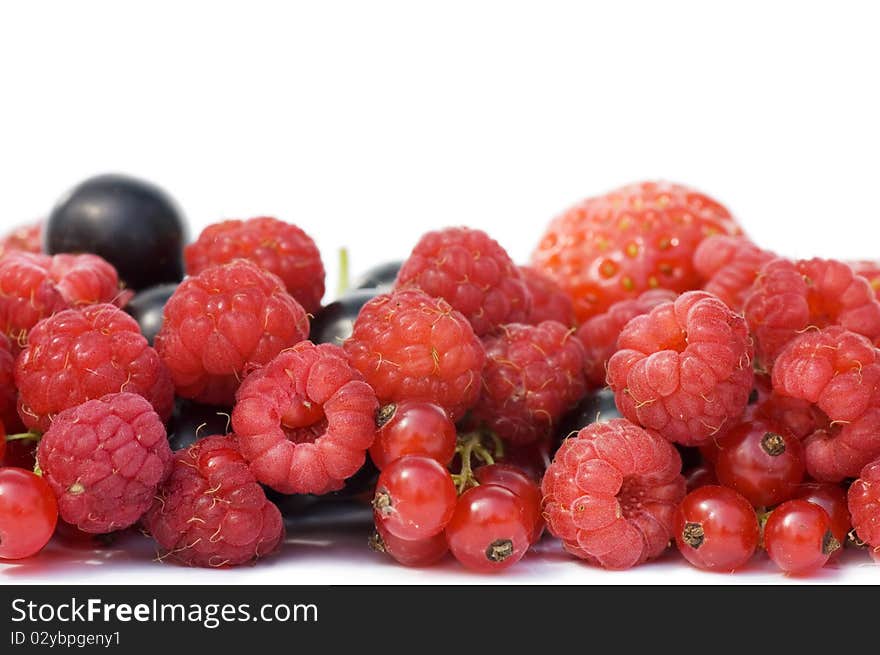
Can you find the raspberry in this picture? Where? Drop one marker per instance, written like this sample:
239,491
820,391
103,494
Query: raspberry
639,237
789,297
870,271
34,286
473,273
533,375
211,512
410,346
8,396
78,355
275,246
730,266
305,420
801,417
104,459
611,494
839,371
684,369
549,301
28,238
599,333
223,322
863,500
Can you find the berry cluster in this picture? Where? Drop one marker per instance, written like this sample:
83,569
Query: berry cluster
455,396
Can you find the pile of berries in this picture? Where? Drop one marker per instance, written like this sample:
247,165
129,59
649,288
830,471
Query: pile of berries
652,377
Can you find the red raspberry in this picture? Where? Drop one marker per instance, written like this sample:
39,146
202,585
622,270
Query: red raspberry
223,322
611,494
533,375
8,395
789,297
275,246
635,238
730,266
684,369
863,500
473,273
305,420
599,333
78,355
104,459
802,418
28,238
870,271
410,346
839,371
549,301
211,511
33,287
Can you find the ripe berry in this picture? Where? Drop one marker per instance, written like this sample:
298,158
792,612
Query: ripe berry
415,497
730,265
379,277
490,529
409,552
831,498
701,475
25,237
762,461
28,513
798,537
516,480
863,500
148,308
716,529
549,301
8,393
413,427
192,421
334,322
2,442
132,224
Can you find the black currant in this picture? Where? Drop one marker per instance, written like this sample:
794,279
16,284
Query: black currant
147,308
333,324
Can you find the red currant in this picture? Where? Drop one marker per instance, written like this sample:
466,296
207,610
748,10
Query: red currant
831,498
716,529
2,441
415,497
517,481
532,458
28,513
798,537
20,453
701,476
413,428
419,552
489,531
762,461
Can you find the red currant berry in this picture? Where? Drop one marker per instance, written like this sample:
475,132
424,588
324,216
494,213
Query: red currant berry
832,498
798,537
532,458
28,513
517,481
762,461
20,453
420,552
415,497
701,476
413,428
716,529
490,530
2,441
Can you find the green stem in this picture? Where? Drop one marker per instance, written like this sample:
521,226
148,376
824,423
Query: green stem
21,436
344,279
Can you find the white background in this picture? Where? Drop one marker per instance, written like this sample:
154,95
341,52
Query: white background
369,123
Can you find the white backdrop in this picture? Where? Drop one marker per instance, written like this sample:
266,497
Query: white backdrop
369,123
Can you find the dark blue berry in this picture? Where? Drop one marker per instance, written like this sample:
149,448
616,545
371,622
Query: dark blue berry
147,308
381,276
333,324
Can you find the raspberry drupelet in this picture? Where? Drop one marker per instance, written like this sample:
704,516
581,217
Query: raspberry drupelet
278,247
730,265
863,500
790,297
801,417
104,459
8,395
684,369
533,375
549,301
599,334
611,494
220,324
638,237
410,346
79,355
28,238
304,421
211,511
838,371
473,273
34,286
870,270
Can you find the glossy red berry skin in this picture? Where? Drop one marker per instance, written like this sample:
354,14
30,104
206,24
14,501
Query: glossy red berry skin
413,428
701,475
28,513
489,531
415,553
798,537
716,529
761,460
2,442
518,481
415,497
832,498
